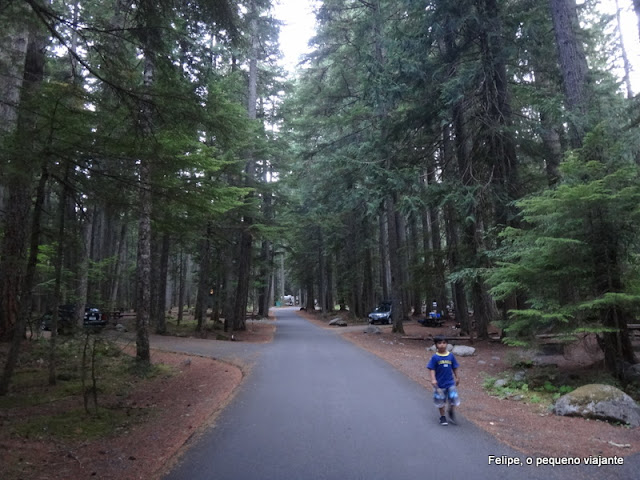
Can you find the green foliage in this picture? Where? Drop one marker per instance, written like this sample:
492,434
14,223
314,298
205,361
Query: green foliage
545,394
371,113
95,117
552,259
488,382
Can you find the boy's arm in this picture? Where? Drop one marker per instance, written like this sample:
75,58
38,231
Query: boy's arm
432,373
455,366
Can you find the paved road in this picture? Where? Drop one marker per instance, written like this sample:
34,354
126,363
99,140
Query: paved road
316,407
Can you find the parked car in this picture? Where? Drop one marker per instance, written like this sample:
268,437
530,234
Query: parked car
93,317
381,314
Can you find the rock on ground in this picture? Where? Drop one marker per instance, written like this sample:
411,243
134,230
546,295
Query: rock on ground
372,329
338,322
458,350
601,402
463,351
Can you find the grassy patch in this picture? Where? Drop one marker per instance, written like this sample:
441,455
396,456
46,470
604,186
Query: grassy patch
545,394
77,425
151,371
187,327
109,375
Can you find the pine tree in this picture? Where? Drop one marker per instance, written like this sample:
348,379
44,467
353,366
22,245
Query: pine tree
568,257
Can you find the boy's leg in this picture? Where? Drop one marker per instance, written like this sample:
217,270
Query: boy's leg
454,400
440,401
443,417
452,414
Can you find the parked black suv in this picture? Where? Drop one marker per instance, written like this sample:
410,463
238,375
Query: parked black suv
92,318
381,314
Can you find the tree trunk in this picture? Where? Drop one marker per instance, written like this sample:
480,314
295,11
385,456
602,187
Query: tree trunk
16,272
154,283
143,269
83,270
163,273
14,41
22,58
616,345
498,137
451,230
204,282
330,300
385,275
455,147
246,236
553,147
25,306
244,275
458,288
439,274
115,286
228,289
13,255
397,296
265,275
181,288
573,65
57,291
403,255
428,268
368,300
322,287
414,268
310,298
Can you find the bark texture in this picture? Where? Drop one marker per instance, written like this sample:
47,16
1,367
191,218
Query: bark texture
573,65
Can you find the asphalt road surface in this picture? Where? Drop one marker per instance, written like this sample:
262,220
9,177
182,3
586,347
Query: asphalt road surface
317,407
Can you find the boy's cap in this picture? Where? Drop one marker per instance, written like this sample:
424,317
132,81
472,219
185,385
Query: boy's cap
439,338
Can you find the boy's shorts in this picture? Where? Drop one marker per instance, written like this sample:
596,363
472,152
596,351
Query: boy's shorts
443,395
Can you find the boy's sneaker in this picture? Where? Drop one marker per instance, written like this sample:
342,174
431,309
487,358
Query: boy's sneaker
452,416
443,420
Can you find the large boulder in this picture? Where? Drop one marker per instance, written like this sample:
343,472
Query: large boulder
463,351
601,402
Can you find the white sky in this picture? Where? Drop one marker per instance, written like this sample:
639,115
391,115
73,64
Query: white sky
629,26
299,27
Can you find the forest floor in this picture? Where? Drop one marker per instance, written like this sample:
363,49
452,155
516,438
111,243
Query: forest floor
167,410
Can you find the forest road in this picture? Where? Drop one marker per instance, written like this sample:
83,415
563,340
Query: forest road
315,406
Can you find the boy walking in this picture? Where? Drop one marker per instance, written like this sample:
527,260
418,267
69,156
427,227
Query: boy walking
443,368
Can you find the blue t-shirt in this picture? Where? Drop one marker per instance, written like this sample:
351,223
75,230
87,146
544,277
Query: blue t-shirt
444,364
